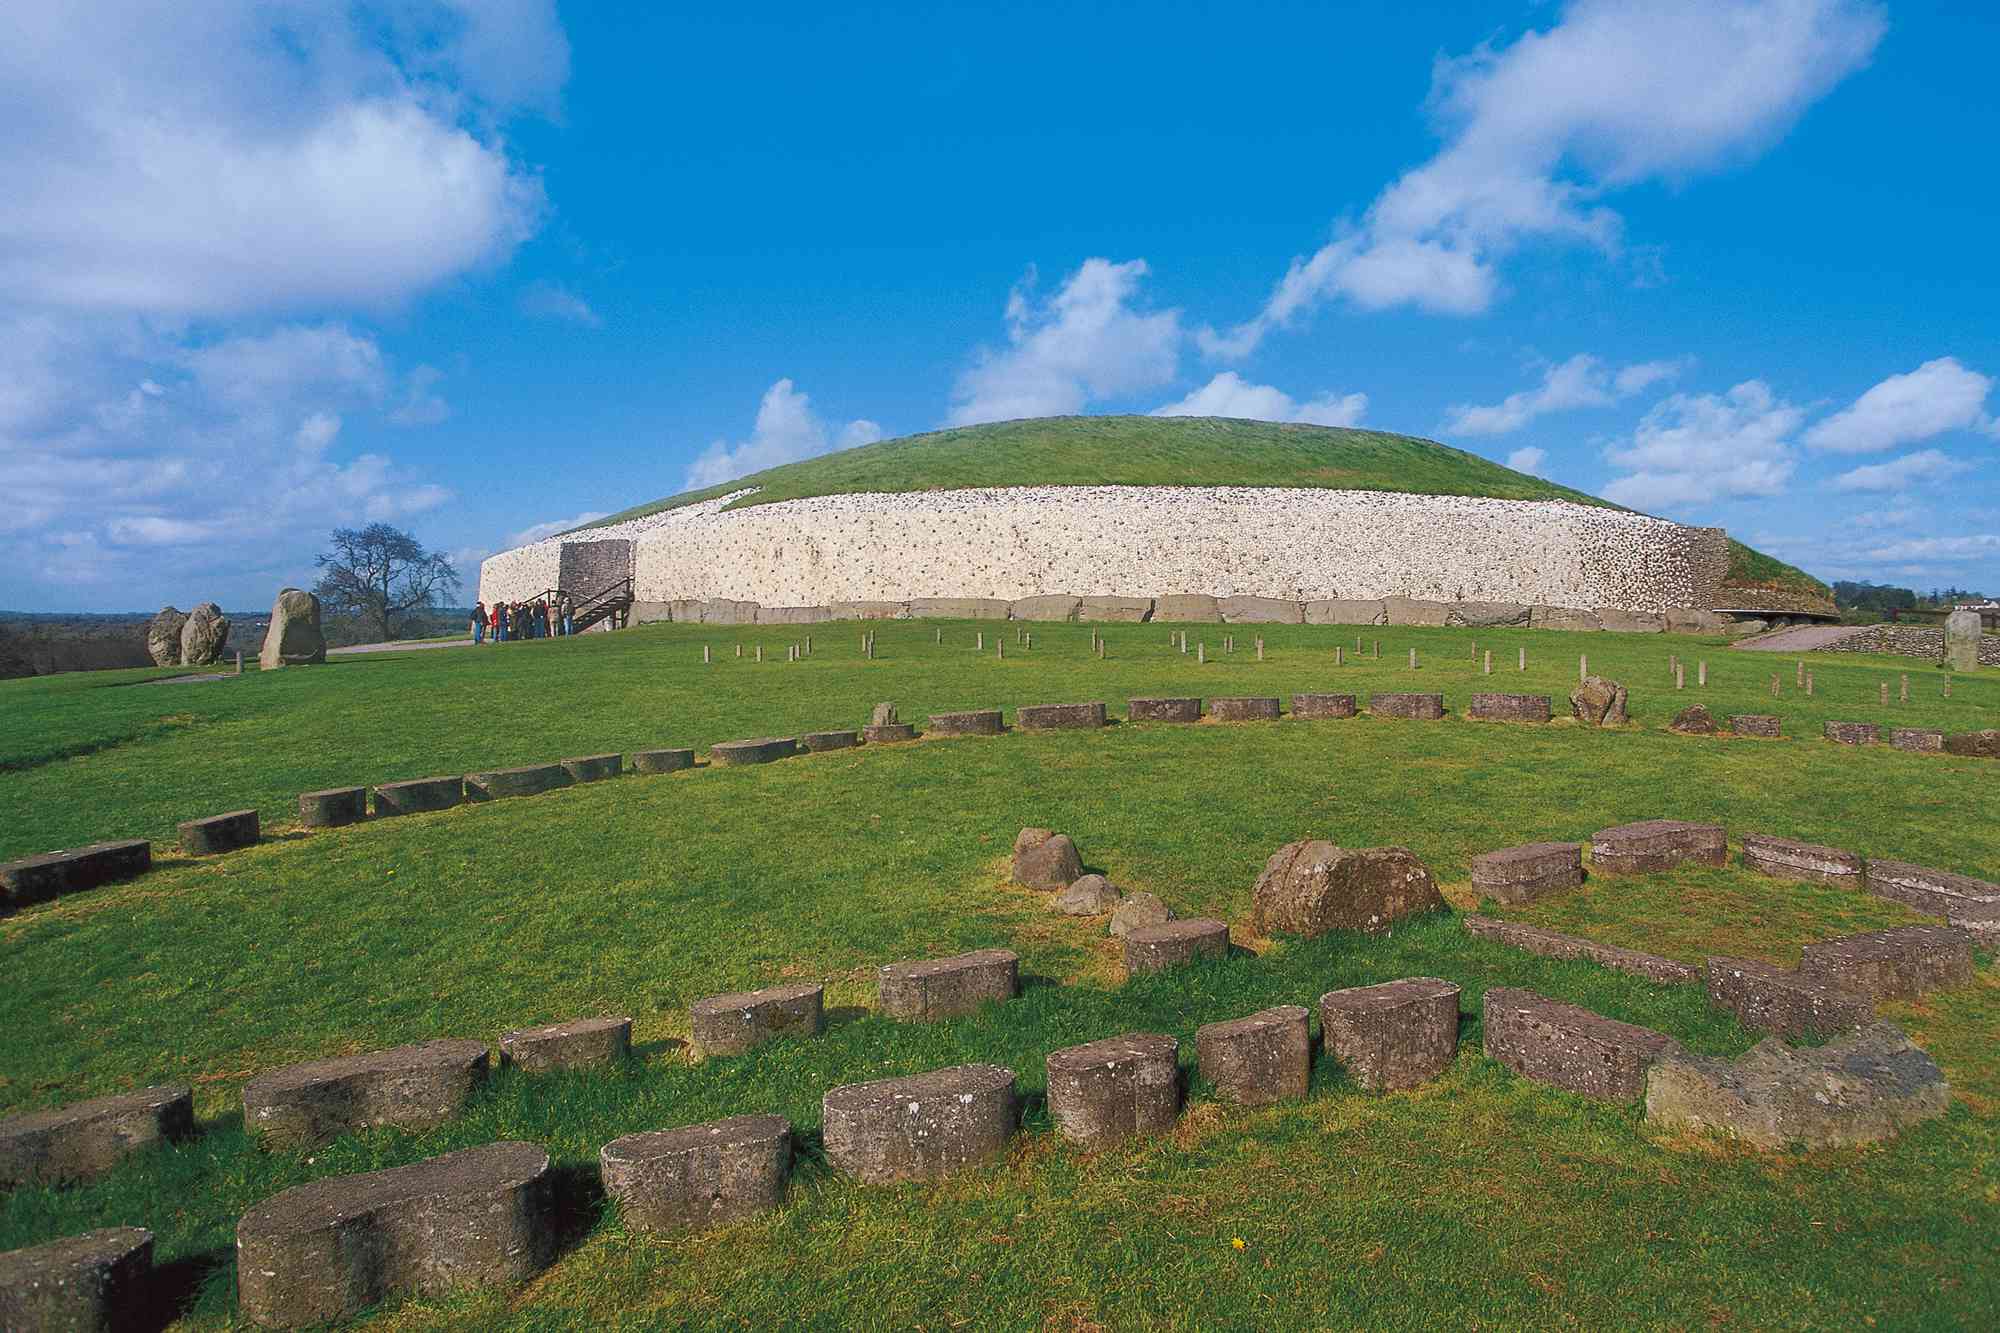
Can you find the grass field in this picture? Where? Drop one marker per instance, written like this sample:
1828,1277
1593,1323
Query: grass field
1482,1199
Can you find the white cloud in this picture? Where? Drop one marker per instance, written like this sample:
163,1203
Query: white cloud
1616,93
1581,381
1529,460
1088,341
1945,550
541,531
1230,395
787,430
1937,396
1884,518
1692,448
551,300
1924,466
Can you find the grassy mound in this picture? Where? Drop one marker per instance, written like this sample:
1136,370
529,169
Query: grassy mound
1755,570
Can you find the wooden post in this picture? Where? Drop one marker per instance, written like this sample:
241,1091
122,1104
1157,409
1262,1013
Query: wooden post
1583,666
809,645
1337,655
1100,650
1885,693
1524,659
1486,668
1904,696
1378,649
239,668
1947,687
704,655
940,637
1774,687
1201,652
1680,677
982,641
999,650
739,650
1802,672
760,652
1809,682
1413,659
1260,647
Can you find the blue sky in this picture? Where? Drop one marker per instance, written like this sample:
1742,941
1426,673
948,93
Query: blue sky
485,268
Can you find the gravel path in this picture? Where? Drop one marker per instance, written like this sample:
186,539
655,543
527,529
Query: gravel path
1801,639
405,646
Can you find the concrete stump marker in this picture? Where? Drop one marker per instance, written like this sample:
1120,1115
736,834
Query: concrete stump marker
1852,733
1570,1048
1905,963
1425,707
1323,705
1395,1035
1516,875
418,795
1917,740
85,1140
1054,717
1243,710
698,1175
94,1281
1938,892
1108,1090
1785,858
1163,710
335,807
948,987
1754,724
594,767
1794,1006
662,761
1508,707
580,1043
978,722
888,733
1258,1060
1157,948
410,1087
763,750
36,879
1550,944
529,780
219,833
922,1126
1657,844
733,1023
325,1251
818,742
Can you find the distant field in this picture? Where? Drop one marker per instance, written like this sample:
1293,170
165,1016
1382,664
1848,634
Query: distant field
1482,1199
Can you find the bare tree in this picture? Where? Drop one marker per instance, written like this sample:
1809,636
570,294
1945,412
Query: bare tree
379,573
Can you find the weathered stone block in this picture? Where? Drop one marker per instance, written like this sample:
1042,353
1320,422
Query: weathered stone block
323,1252
733,1023
417,796
817,742
1090,895
1243,710
793,615
1974,744
1694,720
1937,892
921,1126
959,608
1322,705
1516,875
294,637
1787,858
948,987
763,750
36,879
594,767
1657,844
728,611
1411,611
1917,740
1163,710
1754,724
1108,1090
410,1087
977,722
661,761
870,610
1962,629
1772,999
1050,607
1570,1048
95,1281
1550,944
1598,702
698,1175
1900,964
1564,618
1486,615
580,1043
218,833
85,1140
1398,703
1129,610
1308,888
888,733
1135,911
1260,611
1395,1035
1861,1088
335,807
1341,611
1187,608
1853,733
1045,859
530,780
1157,948
1058,717
1620,621
1258,1060
1691,620
1507,707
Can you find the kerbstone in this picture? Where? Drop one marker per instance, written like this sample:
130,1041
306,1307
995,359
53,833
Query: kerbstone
594,767
325,1251
922,1126
1163,710
1323,705
1056,717
1243,710
1128,610
1568,1047
1974,744
1795,1006
662,761
1157,948
1112,1089
1508,707
1487,615
1905,963
1311,887
1050,607
1563,618
1394,1035
411,1087
733,1023
1191,608
763,750
818,742
1345,611
960,608
1398,703
36,879
976,722
219,833
1414,611
1089,895
579,1043
85,1140
94,1281
529,780
1754,724
1260,611
418,795
1517,875
1258,1060
888,733
1657,844
1917,740
1852,733
335,807
937,988
1551,944
698,1175
1938,892
1787,858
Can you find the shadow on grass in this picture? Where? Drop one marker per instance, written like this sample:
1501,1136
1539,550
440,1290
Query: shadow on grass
843,1014
576,1204
170,1290
646,1050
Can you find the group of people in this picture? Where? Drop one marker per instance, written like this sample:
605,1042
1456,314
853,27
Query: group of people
543,618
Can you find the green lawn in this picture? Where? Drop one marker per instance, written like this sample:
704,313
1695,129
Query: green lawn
1479,1200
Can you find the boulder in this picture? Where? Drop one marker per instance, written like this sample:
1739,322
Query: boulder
1260,611
1163,710
1494,707
1792,1005
1254,709
1688,620
1754,724
1054,606
661,761
163,636
1311,887
1411,611
1620,621
1130,610
1788,858
1157,948
294,638
1187,607
883,716
1852,733
1652,845
1743,629
1974,744
1340,611
1694,720
1046,860
1092,895
1903,963
203,634
1917,740
1486,615
1136,911
1961,640
85,1140
959,608
580,1043
1517,875
1598,702
1563,618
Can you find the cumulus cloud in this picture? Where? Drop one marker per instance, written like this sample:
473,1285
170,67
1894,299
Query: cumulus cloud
1230,395
1936,397
535,532
1090,340
1581,381
1528,459
1537,132
1693,448
552,300
786,430
1926,466
422,405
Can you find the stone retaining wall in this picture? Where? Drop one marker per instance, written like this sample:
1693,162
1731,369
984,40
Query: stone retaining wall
1909,641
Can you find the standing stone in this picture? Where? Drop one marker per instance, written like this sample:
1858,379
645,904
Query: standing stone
1598,702
203,634
1258,1060
1311,887
699,1175
1045,859
1961,640
93,1281
295,638
1395,1035
1108,1090
163,636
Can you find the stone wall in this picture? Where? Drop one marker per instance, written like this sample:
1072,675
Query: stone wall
1009,544
589,567
1910,641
